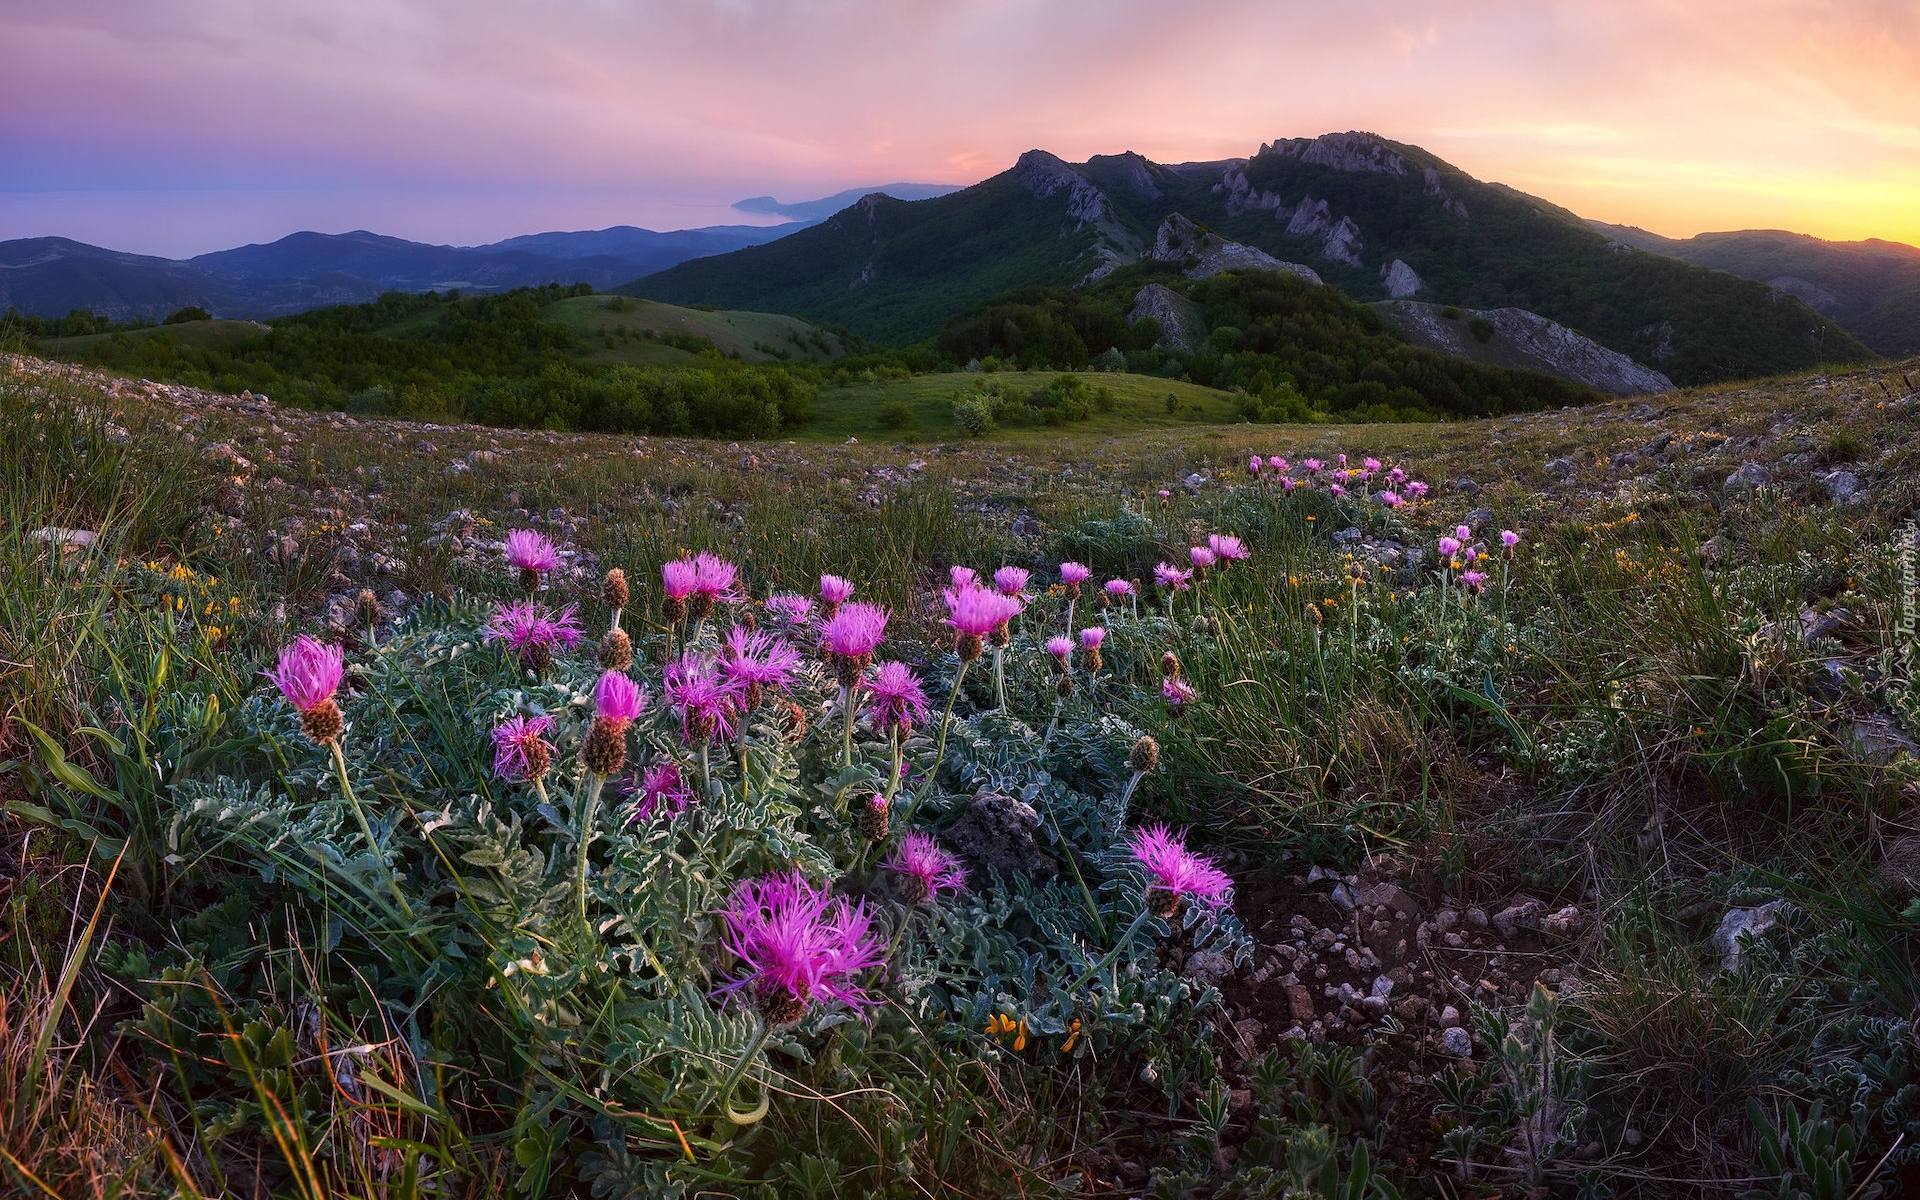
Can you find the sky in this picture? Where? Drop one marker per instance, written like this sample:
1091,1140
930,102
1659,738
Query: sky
175,127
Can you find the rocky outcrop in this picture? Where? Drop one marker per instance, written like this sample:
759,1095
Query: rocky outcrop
1044,175
1340,240
1352,151
1525,340
1181,325
1400,280
1207,254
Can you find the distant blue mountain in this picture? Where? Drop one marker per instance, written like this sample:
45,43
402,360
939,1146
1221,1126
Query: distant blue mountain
51,276
814,211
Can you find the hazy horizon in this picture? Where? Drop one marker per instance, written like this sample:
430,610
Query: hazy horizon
182,126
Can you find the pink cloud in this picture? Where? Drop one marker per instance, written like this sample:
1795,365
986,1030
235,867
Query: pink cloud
1710,114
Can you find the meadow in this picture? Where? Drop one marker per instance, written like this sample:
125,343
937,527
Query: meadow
1584,864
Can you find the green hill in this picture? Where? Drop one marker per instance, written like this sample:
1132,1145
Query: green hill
1351,206
1871,288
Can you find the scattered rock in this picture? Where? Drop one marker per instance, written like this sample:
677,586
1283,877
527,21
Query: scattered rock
996,834
1878,739
66,539
1457,1042
1750,475
1751,921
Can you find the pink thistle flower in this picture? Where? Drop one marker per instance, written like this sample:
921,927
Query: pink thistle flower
714,577
898,701
963,577
977,611
756,660
1202,557
834,591
792,609
1165,495
308,673
1372,465
1343,460
1391,499
1334,489
1463,533
1119,587
528,550
1277,463
1092,636
1312,464
1254,465
1175,872
1473,581
1228,548
1289,483
617,698
678,578
532,631
520,749
1397,475
1509,538
1074,574
1417,489
1010,581
1171,577
924,868
1449,546
1061,648
797,943
661,788
1177,691
708,701
856,630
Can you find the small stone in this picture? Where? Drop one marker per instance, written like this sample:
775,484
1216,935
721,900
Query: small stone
1449,1017
1457,1042
1300,1004
1382,987
1477,917
1749,921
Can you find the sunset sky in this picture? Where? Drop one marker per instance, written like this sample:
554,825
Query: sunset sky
179,126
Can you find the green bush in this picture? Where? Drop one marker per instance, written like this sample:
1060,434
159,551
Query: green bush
192,312
973,411
895,414
1482,329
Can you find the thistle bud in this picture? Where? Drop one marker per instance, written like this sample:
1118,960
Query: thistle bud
1002,636
1091,656
616,650
529,580
1313,614
614,589
847,669
1063,687
674,609
1169,666
1163,902
1145,754
700,605
322,723
366,608
605,751
968,646
793,720
539,657
872,817
778,1006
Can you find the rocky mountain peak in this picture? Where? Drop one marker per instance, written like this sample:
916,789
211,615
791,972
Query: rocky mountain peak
1352,151
1207,253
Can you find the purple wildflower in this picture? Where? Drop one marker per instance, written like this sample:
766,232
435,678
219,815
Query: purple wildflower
617,698
1119,587
924,867
1254,465
714,577
1449,546
309,673
1228,548
679,577
1417,489
792,609
708,702
1277,463
1509,538
520,749
758,660
856,630
531,630
835,590
529,550
1073,574
1176,872
1061,648
661,787
1010,581
1372,465
1463,533
1092,636
1169,576
1202,557
898,701
797,943
963,577
1473,581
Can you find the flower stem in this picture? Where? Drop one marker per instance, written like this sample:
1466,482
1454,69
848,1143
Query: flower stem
588,803
940,749
366,831
999,679
760,1032
1107,959
846,734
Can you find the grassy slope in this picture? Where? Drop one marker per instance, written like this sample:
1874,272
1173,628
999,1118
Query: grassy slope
754,336
210,335
844,411
1621,634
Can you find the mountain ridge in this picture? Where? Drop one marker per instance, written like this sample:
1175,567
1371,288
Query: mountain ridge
1351,205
